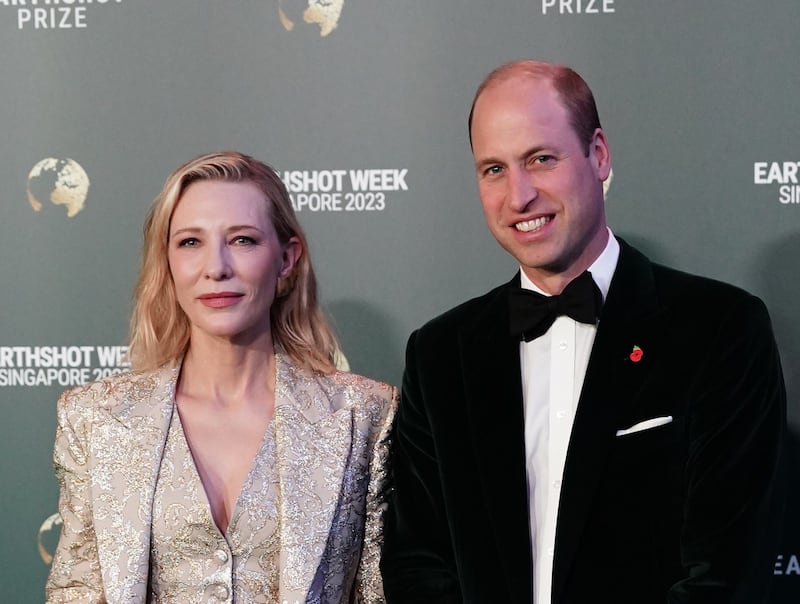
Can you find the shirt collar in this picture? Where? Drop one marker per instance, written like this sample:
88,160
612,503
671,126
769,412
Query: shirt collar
602,269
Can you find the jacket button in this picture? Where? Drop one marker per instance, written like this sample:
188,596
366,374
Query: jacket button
221,555
219,592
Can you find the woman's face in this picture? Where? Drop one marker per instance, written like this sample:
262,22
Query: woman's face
225,259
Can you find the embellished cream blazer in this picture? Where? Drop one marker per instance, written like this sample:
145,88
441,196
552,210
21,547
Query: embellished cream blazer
331,435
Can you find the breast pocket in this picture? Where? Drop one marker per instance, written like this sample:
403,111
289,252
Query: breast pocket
645,478
646,448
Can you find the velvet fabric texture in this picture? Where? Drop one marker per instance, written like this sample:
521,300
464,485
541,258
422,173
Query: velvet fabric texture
687,512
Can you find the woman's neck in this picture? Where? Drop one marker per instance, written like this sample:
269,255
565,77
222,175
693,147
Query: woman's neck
228,374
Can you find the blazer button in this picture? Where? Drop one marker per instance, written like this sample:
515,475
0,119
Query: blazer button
219,592
221,555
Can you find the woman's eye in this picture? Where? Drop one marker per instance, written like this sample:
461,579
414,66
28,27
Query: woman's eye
243,240
188,242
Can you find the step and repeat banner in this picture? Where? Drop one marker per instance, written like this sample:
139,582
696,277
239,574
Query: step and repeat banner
362,106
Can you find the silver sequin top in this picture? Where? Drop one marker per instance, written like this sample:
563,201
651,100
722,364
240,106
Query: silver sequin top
191,561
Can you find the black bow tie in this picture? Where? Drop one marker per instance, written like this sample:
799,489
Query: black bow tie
532,314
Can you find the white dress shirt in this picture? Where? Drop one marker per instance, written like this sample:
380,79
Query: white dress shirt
553,367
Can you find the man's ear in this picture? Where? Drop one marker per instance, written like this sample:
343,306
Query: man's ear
600,154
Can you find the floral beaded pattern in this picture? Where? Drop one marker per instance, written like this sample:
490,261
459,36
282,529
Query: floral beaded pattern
331,447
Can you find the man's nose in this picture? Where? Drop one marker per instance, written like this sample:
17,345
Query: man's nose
521,189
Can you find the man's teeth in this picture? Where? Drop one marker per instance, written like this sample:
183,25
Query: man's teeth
532,225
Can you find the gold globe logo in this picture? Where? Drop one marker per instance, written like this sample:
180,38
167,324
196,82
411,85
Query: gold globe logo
48,537
324,13
607,183
62,182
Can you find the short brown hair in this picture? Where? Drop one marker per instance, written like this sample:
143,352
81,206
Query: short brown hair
572,89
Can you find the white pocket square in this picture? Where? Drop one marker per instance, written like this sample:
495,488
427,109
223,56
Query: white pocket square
646,425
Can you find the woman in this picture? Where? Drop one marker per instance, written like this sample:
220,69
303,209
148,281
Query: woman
234,463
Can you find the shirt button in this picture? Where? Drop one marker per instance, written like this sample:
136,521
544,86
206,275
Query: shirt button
562,346
221,555
550,552
556,484
561,415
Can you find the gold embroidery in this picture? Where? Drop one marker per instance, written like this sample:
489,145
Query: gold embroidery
330,438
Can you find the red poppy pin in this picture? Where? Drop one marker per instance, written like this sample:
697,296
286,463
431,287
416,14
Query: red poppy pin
636,354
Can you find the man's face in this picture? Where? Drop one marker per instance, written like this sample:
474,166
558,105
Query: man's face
541,195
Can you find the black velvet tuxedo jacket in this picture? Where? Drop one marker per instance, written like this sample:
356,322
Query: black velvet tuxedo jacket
687,512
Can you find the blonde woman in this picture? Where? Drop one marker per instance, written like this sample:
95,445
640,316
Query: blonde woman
234,463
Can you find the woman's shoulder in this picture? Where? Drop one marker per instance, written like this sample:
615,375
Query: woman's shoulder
358,389
372,402
297,377
362,383
112,390
365,396
339,389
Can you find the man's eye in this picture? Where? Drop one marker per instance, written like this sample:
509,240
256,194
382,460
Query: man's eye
544,159
493,170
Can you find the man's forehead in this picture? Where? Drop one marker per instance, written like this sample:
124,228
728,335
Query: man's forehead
533,96
519,79
521,89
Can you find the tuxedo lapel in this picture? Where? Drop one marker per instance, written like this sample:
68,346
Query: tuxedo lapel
630,317
127,452
493,393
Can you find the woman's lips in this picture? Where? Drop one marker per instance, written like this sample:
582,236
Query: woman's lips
220,299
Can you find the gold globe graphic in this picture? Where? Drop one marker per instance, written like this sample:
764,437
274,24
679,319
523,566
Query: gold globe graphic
47,539
324,13
607,183
62,182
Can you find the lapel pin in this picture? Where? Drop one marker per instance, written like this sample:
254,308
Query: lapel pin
636,354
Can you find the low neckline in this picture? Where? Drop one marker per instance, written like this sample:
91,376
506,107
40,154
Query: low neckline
249,474
201,487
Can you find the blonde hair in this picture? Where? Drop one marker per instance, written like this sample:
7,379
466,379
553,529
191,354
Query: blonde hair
159,330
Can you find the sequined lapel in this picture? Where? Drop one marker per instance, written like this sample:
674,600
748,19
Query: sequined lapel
126,453
313,443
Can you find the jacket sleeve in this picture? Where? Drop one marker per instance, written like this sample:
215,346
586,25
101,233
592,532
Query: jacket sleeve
734,483
369,586
75,573
418,564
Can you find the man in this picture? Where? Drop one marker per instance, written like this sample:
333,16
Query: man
628,456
